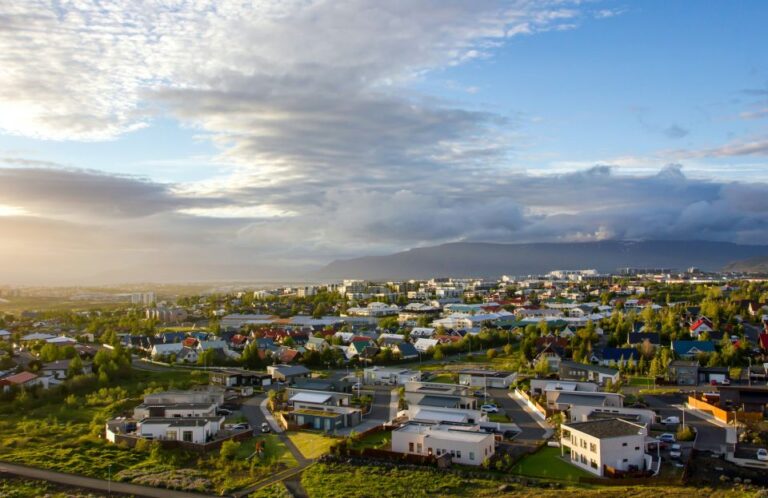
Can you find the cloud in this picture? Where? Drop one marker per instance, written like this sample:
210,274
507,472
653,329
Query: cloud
756,114
756,147
675,131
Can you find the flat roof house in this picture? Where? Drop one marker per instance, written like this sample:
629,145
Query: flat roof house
235,377
465,444
571,370
288,373
391,375
486,378
439,395
683,372
602,446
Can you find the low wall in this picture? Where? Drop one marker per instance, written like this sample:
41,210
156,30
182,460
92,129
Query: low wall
176,444
723,415
533,405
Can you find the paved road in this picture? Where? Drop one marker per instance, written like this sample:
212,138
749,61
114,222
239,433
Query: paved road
92,483
529,425
711,437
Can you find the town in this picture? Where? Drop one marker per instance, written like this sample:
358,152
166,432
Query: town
551,383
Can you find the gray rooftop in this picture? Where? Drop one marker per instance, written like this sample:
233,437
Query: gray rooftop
608,428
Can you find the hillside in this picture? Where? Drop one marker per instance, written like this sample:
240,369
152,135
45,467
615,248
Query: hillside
751,265
488,260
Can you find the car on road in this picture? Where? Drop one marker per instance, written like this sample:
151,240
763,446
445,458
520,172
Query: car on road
357,386
670,420
223,411
489,409
238,427
667,437
265,428
479,394
762,455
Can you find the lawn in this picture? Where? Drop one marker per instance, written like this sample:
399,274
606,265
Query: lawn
311,444
647,382
444,378
547,463
498,417
377,440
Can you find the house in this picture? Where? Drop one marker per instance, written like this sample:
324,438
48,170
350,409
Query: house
405,350
540,386
36,337
638,338
235,377
322,410
389,340
362,347
159,350
59,369
683,372
440,395
342,386
197,430
288,373
465,444
391,376
24,380
571,370
486,378
618,356
423,344
317,343
689,349
746,398
422,332
5,335
554,353
700,326
717,375
436,415
562,400
171,410
208,395
583,413
600,446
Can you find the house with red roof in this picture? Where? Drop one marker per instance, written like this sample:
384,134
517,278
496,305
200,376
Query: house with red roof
23,380
700,326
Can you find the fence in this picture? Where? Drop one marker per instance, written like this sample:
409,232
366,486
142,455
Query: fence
184,445
532,404
723,415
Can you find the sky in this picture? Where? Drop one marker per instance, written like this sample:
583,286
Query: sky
209,140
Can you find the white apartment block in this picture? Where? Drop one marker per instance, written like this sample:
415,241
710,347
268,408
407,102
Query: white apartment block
597,444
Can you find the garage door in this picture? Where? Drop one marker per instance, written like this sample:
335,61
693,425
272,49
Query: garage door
719,378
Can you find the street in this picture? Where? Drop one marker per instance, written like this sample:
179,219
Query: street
710,437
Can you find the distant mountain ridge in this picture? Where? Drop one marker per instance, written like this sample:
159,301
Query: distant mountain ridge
479,259
751,265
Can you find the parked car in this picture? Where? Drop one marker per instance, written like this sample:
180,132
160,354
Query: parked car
479,394
675,454
667,437
238,427
265,428
670,420
223,411
762,455
726,382
489,409
356,386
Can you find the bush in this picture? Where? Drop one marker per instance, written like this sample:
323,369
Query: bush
685,434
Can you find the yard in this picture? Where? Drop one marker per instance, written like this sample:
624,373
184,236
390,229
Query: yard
311,444
547,463
275,451
380,440
65,434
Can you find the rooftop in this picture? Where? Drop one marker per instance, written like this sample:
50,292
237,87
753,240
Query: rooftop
608,428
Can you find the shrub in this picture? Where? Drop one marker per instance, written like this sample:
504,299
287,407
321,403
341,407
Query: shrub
685,434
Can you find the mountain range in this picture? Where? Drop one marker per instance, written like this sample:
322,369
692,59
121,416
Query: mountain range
477,259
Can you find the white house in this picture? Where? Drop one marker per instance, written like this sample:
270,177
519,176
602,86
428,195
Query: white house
422,345
159,350
436,415
197,430
465,444
486,378
392,375
598,444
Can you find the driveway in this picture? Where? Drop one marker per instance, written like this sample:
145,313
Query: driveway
711,437
530,430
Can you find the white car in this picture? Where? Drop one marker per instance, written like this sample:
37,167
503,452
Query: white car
666,438
762,455
489,409
670,420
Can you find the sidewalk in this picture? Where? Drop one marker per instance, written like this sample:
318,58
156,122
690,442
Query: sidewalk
267,415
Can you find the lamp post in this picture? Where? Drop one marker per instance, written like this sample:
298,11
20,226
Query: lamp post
109,480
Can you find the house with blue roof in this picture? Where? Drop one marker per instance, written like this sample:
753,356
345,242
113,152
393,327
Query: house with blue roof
620,356
690,349
637,338
172,337
406,350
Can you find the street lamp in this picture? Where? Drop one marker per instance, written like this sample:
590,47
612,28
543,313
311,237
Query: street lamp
109,480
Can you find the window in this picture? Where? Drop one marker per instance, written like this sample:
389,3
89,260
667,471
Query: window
625,460
593,447
593,464
637,448
471,455
583,459
623,444
187,436
458,453
410,447
419,448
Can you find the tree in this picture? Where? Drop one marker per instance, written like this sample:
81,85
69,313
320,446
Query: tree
75,367
229,450
491,354
49,353
438,355
542,367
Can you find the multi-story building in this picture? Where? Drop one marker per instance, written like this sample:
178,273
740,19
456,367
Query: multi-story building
601,446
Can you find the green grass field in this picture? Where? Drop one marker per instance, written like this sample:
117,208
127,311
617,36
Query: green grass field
547,463
378,440
311,444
